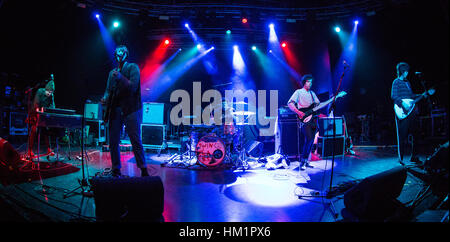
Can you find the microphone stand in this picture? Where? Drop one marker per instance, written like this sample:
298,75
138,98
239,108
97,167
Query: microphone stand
83,182
328,193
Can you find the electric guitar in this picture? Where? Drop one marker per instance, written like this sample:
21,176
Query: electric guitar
311,111
403,112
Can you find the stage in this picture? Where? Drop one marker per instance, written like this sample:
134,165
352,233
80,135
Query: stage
200,194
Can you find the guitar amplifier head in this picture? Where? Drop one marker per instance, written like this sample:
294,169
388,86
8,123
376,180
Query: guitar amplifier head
93,111
326,126
153,113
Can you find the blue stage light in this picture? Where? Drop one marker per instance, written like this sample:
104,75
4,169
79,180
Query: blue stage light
186,25
228,31
271,26
337,29
253,47
97,16
356,22
116,24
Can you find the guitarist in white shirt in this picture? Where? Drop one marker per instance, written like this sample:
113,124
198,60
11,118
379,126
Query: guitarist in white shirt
303,98
400,92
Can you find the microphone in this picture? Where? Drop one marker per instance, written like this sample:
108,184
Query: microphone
345,63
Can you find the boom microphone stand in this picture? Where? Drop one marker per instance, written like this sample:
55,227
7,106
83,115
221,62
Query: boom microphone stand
328,193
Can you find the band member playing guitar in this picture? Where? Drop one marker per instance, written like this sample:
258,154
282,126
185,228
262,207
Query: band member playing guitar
405,112
305,104
124,106
303,98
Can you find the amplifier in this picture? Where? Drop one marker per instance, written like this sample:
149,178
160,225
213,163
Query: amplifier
153,135
97,130
17,124
153,113
326,126
93,111
286,115
287,140
325,145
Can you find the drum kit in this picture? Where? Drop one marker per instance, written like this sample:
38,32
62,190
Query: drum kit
213,146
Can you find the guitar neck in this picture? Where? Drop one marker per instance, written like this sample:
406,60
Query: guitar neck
323,104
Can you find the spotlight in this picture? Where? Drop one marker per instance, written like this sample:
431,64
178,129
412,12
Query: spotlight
212,47
244,20
116,24
235,47
199,46
337,29
283,44
271,26
270,51
179,49
97,16
253,47
167,42
356,22
186,25
228,31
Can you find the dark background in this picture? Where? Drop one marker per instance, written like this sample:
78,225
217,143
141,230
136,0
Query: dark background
43,37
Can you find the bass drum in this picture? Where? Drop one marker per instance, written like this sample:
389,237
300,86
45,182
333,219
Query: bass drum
210,150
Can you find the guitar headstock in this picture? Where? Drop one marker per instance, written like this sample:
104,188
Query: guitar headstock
341,94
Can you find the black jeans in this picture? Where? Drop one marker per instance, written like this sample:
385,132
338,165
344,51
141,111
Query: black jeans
308,133
133,128
406,127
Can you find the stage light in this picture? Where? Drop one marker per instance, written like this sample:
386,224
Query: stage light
283,44
244,20
186,25
97,16
271,26
253,47
270,51
337,29
235,47
179,49
199,46
116,24
356,22
212,47
228,31
166,42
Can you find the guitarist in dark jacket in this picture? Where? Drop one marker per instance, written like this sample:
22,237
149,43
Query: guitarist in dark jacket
401,89
124,106
304,98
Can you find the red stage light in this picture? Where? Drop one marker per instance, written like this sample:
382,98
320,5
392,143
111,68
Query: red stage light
167,42
244,20
283,44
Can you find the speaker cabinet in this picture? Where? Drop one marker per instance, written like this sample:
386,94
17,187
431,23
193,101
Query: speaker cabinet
17,124
374,198
287,140
326,144
133,199
153,136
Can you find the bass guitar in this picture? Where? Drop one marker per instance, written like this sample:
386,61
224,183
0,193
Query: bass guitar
403,112
311,111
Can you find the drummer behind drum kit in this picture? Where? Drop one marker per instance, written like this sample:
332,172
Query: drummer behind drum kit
214,146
